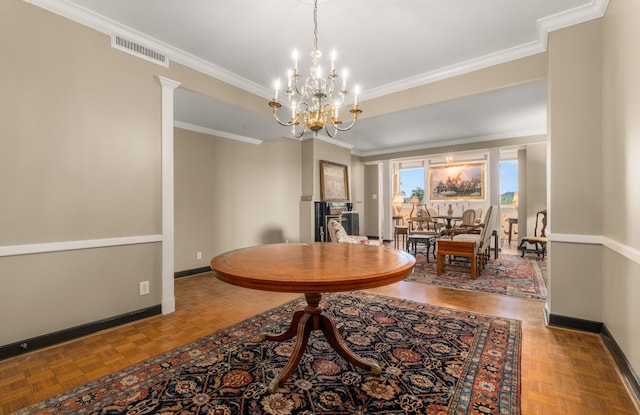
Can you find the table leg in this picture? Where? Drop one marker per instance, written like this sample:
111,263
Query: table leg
303,332
474,270
290,332
328,327
439,263
302,324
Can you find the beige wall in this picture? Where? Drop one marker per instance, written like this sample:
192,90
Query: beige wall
80,124
535,185
621,176
575,169
621,108
370,226
575,129
230,194
358,180
79,161
49,292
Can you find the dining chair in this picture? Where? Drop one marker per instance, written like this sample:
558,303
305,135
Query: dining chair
539,242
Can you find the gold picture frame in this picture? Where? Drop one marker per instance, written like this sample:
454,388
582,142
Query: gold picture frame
334,181
457,182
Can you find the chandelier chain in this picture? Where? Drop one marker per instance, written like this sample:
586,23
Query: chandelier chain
315,24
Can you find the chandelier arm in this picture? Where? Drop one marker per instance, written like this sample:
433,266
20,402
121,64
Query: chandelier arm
295,91
301,132
275,105
355,111
326,129
303,108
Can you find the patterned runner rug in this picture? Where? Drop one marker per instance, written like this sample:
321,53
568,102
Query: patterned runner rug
434,361
508,275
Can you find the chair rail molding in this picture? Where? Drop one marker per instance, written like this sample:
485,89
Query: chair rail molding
626,251
575,238
39,248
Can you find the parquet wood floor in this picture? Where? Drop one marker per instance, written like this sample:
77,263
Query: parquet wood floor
563,371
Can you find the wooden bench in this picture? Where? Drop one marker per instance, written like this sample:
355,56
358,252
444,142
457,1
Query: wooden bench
456,248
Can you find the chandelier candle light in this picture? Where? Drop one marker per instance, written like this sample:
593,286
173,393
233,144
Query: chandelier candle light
313,103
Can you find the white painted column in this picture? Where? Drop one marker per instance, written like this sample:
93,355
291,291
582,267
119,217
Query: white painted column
385,180
494,185
168,296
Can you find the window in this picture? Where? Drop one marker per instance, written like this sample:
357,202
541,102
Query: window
508,181
412,183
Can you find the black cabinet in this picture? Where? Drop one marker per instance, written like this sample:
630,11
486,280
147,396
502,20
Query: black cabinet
341,211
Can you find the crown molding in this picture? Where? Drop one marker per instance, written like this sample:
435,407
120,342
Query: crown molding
111,27
329,140
570,17
461,68
450,143
217,133
547,24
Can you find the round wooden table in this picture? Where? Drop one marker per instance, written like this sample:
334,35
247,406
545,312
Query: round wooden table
312,269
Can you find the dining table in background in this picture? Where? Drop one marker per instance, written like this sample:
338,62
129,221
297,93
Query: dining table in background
511,222
448,219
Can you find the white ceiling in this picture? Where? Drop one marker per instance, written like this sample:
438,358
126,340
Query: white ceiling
387,46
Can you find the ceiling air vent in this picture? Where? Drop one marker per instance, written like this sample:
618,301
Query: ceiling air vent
139,50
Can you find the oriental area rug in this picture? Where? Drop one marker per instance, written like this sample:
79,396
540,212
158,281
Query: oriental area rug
434,361
512,275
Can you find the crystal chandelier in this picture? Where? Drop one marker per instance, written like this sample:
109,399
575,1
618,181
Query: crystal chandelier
313,103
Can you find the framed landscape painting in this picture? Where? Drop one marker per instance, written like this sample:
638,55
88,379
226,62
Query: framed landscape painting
334,182
457,182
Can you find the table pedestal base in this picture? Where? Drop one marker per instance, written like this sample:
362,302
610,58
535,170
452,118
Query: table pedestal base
302,324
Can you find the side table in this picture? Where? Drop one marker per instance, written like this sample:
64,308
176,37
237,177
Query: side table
511,222
401,233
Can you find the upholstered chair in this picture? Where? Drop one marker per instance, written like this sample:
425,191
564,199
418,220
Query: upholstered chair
337,233
482,240
468,219
478,216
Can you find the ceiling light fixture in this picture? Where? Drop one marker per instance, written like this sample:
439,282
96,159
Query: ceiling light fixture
313,103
